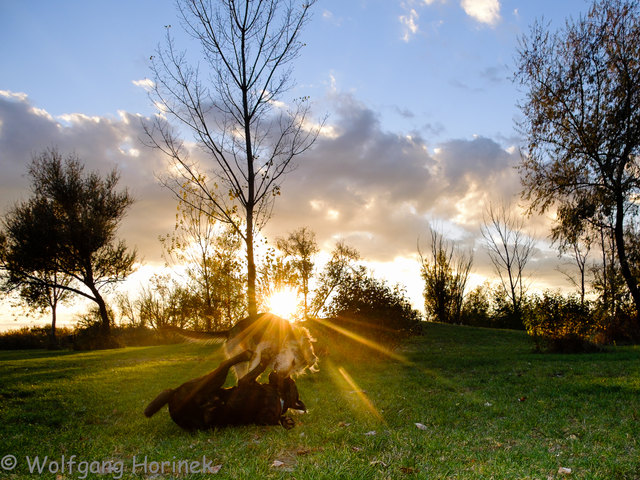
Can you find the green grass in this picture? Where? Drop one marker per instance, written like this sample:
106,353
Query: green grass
488,408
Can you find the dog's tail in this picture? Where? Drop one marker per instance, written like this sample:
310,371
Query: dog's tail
158,402
197,337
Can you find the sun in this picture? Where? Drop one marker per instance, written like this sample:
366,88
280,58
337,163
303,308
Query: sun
284,303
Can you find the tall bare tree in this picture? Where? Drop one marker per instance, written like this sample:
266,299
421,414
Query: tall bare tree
582,118
232,103
510,249
341,265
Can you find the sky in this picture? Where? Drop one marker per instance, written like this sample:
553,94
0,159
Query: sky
418,96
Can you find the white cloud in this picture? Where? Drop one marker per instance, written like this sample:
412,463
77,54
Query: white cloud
145,83
409,24
13,95
484,11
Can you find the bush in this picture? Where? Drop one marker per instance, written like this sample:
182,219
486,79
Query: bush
370,307
491,308
561,324
476,308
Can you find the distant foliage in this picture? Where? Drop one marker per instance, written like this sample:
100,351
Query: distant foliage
34,337
492,307
562,324
476,308
365,303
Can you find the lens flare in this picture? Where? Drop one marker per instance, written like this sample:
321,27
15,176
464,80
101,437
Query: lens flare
366,401
284,303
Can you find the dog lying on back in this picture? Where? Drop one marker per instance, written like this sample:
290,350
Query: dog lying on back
291,344
202,403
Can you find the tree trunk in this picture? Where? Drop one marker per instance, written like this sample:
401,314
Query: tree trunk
252,306
629,279
52,334
105,324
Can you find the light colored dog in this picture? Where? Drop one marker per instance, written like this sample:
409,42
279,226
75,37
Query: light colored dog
291,344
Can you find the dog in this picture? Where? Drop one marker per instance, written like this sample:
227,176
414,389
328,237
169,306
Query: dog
291,344
202,403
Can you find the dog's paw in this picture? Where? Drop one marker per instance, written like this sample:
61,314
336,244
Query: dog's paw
287,422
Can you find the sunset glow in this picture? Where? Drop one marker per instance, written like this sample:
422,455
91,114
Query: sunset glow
284,303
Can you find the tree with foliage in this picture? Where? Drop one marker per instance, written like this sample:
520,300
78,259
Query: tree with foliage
39,295
510,249
301,246
338,269
64,236
208,251
232,103
582,119
445,273
361,299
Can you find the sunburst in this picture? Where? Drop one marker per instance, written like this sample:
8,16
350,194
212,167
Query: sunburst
284,303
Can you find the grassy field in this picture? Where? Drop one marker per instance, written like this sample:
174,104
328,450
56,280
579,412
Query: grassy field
460,403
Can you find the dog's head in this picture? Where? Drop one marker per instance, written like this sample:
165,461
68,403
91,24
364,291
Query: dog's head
287,391
297,353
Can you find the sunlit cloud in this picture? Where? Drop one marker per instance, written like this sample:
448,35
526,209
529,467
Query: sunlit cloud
484,11
13,95
145,83
77,118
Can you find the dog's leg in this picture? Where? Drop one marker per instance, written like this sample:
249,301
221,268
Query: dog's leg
215,380
251,377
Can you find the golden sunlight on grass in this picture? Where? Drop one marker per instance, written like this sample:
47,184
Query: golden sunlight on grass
364,341
366,401
284,303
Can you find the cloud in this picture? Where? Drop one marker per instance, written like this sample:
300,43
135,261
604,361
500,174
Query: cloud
409,24
145,83
380,190
102,143
484,11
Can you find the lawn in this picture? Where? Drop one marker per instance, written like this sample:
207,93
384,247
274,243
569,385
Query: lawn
456,402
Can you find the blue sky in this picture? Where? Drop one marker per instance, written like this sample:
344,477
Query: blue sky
417,92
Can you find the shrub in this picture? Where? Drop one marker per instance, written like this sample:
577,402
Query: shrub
370,307
476,308
561,324
34,337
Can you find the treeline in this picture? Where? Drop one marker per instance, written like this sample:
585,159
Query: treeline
599,311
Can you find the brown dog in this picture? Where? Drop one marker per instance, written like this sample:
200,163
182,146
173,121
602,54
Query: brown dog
291,344
202,403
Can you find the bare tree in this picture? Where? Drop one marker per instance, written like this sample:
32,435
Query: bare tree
510,249
232,104
209,253
341,265
445,274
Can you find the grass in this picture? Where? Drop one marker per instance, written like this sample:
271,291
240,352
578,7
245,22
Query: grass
486,407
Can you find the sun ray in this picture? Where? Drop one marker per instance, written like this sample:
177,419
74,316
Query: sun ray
366,401
284,303
364,341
